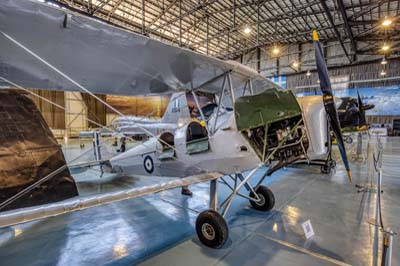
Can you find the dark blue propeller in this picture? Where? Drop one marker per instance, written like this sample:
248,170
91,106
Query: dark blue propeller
329,102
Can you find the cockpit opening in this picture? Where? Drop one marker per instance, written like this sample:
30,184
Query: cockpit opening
196,138
167,142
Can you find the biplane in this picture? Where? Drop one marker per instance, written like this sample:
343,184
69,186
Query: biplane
255,123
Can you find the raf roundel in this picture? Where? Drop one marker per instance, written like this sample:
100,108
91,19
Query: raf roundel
148,164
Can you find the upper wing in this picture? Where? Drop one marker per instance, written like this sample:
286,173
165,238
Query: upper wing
102,58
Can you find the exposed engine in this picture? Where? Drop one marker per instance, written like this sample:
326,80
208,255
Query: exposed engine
273,125
288,135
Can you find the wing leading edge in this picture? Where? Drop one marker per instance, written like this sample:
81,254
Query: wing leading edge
103,58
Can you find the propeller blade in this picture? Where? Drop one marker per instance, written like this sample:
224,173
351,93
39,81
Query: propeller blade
329,102
362,121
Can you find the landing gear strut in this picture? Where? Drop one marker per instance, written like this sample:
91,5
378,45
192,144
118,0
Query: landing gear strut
211,227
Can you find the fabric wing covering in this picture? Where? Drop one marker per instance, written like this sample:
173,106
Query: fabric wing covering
102,58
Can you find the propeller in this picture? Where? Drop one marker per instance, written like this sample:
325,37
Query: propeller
362,121
362,108
329,102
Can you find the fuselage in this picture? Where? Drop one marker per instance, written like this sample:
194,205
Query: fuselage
192,150
134,126
225,151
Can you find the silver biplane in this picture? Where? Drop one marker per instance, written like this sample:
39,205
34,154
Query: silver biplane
255,122
176,115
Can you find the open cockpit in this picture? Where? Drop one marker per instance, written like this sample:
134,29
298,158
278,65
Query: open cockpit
167,143
196,138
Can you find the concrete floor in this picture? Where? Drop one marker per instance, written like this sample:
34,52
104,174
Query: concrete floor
159,229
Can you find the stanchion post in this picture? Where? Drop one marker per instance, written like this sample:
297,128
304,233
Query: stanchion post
359,145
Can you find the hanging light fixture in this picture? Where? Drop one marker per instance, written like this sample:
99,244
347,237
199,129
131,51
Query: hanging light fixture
308,73
383,72
276,50
295,64
384,61
387,22
385,47
247,29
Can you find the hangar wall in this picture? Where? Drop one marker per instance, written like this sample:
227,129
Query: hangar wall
358,76
81,106
75,118
271,65
55,117
365,76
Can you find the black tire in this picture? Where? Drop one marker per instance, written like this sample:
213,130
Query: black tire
332,163
211,228
349,140
267,199
326,169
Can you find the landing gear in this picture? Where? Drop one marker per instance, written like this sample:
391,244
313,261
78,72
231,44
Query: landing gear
332,163
266,199
348,139
327,168
211,228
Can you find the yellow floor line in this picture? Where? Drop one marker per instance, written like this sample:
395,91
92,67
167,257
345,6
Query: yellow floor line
303,250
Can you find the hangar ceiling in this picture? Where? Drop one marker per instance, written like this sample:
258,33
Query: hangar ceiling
217,27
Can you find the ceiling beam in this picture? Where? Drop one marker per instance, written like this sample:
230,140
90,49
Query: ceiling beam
287,16
348,28
330,18
162,13
189,12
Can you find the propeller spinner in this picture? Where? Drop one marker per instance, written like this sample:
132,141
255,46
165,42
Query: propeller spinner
329,101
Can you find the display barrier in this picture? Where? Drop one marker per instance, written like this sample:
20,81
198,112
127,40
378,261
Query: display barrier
373,184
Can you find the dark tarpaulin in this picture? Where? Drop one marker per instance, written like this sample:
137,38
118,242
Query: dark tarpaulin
29,152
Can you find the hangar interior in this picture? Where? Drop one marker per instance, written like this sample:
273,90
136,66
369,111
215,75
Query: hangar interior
175,132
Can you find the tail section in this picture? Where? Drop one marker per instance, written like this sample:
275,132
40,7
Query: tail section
177,109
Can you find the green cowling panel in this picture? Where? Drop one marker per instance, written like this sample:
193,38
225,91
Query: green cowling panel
265,108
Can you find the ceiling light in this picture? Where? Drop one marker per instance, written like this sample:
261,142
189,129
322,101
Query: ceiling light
383,62
295,64
247,29
385,47
387,22
308,73
383,73
276,50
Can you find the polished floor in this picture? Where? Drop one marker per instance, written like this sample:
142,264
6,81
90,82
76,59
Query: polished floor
159,229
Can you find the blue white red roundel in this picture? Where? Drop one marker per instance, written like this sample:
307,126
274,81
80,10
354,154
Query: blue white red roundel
148,164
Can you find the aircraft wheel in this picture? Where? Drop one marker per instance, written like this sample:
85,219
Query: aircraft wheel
326,169
349,140
332,163
267,199
211,228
